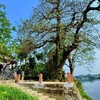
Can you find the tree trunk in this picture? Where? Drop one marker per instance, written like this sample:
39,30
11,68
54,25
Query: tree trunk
66,54
71,65
71,70
57,55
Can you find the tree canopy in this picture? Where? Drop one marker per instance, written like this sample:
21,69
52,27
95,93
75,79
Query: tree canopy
61,26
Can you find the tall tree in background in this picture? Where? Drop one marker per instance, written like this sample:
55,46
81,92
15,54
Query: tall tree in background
61,24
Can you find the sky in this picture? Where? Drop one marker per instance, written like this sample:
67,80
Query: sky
17,9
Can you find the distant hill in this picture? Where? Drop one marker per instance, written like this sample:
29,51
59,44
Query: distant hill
88,77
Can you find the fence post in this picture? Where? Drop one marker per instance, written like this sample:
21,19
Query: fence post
22,76
70,78
18,78
40,78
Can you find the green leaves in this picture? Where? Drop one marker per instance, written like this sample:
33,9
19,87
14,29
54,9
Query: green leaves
5,32
39,68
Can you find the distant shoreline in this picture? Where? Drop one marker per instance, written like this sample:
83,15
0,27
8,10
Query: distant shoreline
88,77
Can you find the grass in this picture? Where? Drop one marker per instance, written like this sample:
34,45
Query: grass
84,95
10,93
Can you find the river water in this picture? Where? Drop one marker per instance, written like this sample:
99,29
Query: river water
92,89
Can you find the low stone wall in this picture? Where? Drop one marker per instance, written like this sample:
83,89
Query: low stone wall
66,91
70,94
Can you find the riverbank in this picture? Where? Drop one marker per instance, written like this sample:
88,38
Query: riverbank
79,87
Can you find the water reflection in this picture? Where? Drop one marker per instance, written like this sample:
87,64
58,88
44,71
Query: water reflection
92,89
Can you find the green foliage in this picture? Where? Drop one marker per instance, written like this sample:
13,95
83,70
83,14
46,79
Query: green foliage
78,84
32,62
28,67
42,68
9,93
84,95
5,33
39,68
39,56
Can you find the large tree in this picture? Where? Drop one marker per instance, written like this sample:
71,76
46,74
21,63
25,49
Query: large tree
62,24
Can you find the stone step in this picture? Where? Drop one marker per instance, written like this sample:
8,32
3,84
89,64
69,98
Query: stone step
51,99
43,97
31,92
39,94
